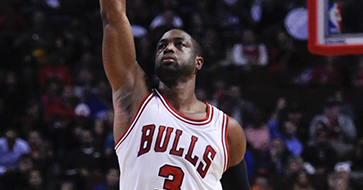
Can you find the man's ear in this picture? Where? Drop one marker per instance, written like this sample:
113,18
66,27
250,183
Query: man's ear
199,62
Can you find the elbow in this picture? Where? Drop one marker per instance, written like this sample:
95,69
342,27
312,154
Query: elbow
104,18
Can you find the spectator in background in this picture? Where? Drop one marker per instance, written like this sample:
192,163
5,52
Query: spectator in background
236,106
14,99
68,137
99,100
249,53
59,105
285,129
18,178
110,154
110,141
41,152
34,140
230,17
74,40
112,180
275,160
302,181
67,185
320,154
197,24
342,131
56,69
11,149
336,182
100,134
294,165
52,100
31,30
295,114
257,133
84,81
341,178
328,73
35,180
282,52
261,181
289,134
250,162
33,118
213,48
344,107
86,63
84,164
219,93
33,41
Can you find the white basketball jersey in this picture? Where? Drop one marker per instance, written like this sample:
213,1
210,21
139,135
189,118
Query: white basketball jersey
163,149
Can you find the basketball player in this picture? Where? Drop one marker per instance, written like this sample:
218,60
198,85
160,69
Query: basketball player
166,138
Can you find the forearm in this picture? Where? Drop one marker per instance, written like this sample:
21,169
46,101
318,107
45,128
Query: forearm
112,10
118,48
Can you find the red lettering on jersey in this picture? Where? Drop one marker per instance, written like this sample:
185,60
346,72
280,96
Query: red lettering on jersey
158,146
173,150
162,141
208,160
190,151
146,139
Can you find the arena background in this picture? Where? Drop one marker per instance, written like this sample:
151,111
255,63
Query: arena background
54,93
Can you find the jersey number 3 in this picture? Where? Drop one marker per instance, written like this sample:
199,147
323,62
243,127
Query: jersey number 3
174,177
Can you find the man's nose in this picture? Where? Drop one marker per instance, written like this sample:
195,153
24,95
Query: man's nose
169,48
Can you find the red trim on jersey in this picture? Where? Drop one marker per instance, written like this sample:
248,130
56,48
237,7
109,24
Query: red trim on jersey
225,142
182,117
141,108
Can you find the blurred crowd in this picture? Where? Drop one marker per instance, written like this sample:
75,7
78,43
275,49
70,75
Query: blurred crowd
56,111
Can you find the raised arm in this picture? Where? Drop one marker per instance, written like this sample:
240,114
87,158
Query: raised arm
126,77
118,48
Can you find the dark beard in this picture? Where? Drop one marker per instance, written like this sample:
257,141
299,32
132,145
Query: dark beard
167,74
170,74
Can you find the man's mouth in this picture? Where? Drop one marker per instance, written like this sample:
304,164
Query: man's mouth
168,59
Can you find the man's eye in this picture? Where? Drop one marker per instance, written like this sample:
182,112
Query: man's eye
179,44
161,46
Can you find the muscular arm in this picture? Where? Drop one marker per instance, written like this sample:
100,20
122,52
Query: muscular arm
126,77
236,176
236,142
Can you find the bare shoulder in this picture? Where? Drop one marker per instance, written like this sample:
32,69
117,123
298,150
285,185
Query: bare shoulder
236,142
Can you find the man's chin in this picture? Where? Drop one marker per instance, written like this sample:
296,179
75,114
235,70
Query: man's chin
168,77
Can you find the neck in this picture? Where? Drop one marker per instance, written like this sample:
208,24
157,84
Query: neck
180,96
